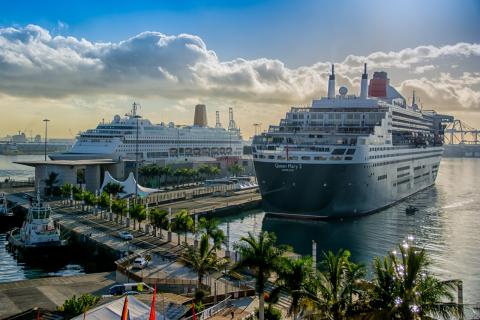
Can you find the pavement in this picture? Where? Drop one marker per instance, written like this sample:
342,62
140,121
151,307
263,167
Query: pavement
48,293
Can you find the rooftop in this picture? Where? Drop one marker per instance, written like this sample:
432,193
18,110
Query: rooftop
34,163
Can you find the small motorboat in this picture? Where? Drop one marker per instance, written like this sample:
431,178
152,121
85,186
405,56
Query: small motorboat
410,210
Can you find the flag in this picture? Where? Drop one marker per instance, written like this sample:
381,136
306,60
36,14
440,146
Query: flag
125,315
193,312
152,307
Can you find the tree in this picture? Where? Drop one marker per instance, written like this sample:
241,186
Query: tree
204,259
167,172
337,282
181,174
150,172
137,213
159,219
104,200
66,190
260,255
89,198
404,289
297,278
113,188
235,169
119,207
183,223
210,227
75,306
214,171
50,182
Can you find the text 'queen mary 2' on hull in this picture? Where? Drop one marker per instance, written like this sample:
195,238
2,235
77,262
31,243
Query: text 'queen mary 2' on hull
348,155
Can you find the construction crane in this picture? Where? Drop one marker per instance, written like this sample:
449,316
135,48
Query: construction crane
458,132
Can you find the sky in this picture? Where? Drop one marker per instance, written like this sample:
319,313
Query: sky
78,62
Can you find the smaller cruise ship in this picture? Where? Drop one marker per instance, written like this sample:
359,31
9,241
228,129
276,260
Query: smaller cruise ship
38,234
132,136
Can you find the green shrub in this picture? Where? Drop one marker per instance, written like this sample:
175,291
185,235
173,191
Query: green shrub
75,306
271,313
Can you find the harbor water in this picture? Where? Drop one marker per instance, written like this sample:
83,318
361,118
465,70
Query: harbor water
447,225
13,171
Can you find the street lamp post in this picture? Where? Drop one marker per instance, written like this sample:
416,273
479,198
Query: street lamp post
46,132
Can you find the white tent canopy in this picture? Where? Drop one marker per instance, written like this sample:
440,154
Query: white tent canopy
128,185
113,310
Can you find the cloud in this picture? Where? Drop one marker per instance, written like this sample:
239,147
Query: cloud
33,63
447,92
423,69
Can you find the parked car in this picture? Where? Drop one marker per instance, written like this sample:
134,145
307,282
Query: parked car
130,288
125,235
139,263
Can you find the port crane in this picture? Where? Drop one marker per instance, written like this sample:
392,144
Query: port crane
459,132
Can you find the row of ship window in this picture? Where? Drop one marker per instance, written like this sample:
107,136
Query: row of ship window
379,164
380,156
182,141
305,158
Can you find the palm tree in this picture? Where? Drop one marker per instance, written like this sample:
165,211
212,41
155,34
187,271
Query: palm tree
203,259
159,219
210,227
119,207
104,200
167,172
235,169
296,276
261,256
337,283
404,289
89,198
214,171
183,223
50,182
113,188
149,172
137,213
66,190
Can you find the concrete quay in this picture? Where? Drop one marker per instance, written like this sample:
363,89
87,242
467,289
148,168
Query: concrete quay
48,293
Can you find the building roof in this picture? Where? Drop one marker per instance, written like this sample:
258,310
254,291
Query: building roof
34,163
113,311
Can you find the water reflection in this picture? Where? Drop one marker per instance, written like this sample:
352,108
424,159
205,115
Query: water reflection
447,225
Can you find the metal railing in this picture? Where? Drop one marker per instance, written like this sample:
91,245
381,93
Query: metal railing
210,312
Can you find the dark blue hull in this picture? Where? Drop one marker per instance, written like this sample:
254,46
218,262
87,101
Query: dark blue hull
335,190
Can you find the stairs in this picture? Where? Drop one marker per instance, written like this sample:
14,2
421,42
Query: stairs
284,300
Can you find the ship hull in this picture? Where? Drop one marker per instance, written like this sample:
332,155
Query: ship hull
338,190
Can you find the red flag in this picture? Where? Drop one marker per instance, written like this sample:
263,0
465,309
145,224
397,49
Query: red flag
125,309
193,312
152,307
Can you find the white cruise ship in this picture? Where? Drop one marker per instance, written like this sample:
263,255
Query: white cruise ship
348,155
124,137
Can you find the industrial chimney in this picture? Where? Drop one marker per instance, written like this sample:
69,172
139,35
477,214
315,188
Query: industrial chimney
200,118
331,84
364,84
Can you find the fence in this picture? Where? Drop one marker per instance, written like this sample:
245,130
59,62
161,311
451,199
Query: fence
17,184
159,198
210,312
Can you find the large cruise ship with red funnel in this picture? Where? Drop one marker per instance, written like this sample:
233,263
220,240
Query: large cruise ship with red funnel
348,155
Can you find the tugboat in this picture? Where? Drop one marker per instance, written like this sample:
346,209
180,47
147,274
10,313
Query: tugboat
38,234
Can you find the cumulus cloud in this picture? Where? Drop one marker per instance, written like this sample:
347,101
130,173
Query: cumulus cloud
423,69
34,63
